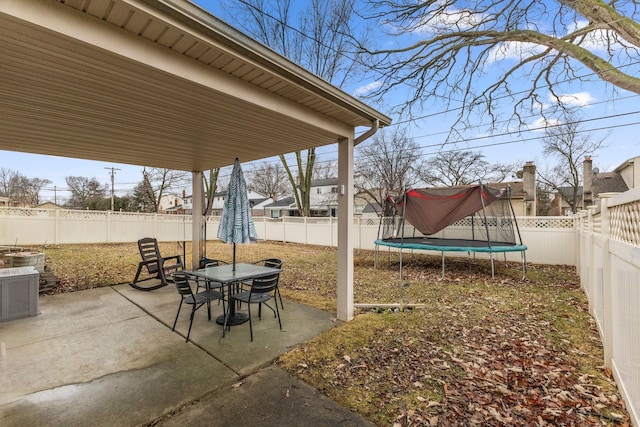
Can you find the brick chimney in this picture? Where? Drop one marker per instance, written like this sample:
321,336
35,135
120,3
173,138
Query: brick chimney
529,187
529,180
587,181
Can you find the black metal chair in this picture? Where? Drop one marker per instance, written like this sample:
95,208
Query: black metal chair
274,263
208,262
196,300
157,266
262,290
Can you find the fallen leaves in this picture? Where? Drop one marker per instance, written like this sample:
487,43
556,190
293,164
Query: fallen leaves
509,353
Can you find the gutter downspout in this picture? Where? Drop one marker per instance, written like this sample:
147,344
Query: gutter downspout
375,125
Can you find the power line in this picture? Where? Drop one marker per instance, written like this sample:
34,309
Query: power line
475,147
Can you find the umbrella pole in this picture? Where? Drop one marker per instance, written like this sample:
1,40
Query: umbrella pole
234,257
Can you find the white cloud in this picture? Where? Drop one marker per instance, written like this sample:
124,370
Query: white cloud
594,40
579,99
448,19
364,90
514,50
541,123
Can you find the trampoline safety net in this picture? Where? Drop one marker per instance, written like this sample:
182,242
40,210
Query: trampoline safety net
476,213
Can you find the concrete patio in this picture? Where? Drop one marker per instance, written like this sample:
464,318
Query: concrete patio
107,356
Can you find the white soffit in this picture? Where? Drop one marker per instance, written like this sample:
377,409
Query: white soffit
156,83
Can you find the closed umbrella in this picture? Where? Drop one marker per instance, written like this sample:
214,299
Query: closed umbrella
236,224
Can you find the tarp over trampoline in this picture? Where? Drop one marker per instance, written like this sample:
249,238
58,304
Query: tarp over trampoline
431,210
468,219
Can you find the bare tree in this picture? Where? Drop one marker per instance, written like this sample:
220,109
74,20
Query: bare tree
210,188
325,169
269,180
85,191
20,189
317,36
475,55
156,182
544,203
564,142
6,176
386,164
463,168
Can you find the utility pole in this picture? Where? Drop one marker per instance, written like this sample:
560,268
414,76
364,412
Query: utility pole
113,174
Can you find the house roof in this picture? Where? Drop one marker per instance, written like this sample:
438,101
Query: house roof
282,203
603,182
517,188
324,182
159,83
608,182
372,207
48,205
567,192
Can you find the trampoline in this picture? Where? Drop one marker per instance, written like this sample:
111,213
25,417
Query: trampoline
480,225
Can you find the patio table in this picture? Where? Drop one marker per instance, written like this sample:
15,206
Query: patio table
226,275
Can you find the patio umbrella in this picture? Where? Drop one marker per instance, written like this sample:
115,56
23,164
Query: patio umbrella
236,223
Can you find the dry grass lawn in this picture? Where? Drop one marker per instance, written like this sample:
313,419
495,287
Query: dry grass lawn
480,351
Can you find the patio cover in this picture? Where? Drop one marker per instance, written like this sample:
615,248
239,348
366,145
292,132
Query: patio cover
163,83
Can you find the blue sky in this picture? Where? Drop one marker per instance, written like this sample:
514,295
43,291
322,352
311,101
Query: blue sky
619,121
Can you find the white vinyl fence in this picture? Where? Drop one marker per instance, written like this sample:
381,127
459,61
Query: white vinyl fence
609,267
551,240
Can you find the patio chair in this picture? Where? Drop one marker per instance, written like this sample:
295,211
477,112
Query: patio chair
262,290
157,266
209,262
196,300
274,263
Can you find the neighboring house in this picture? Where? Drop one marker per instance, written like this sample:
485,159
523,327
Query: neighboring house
283,207
623,178
563,198
49,205
5,202
324,198
256,201
630,172
187,204
169,201
258,205
175,210
372,209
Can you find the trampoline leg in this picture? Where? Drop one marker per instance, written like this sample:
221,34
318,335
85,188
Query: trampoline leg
375,257
400,263
492,268
442,265
524,264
